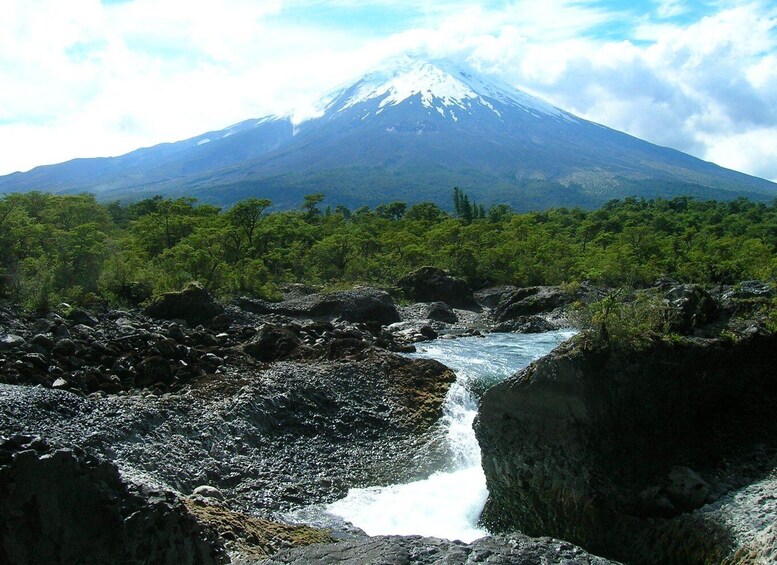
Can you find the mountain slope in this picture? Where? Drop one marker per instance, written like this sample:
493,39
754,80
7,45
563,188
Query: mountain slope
409,131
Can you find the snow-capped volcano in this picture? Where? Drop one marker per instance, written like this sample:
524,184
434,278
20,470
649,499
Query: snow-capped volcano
440,85
410,130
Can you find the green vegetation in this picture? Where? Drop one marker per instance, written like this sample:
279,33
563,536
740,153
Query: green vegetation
626,318
75,249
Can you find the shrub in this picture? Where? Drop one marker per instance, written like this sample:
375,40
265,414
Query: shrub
625,318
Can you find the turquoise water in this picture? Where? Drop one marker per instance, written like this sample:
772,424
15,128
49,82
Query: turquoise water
448,503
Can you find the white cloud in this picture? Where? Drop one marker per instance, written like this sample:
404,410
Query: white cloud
670,8
694,88
754,150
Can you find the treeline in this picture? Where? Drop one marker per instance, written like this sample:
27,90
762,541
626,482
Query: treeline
72,248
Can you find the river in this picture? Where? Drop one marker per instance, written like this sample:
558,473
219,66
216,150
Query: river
448,503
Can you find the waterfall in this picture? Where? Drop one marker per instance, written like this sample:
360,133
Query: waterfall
448,503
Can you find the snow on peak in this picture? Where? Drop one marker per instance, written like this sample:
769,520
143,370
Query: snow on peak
439,84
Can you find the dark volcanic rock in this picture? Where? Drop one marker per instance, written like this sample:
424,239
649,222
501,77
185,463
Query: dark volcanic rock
11,341
79,316
441,312
527,325
193,304
746,297
357,305
530,301
497,550
693,305
490,297
430,284
63,506
272,343
613,449
268,437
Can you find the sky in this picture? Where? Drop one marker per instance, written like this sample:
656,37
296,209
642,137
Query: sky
85,78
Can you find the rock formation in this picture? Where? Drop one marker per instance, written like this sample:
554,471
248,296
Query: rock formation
430,284
497,550
357,305
64,506
620,449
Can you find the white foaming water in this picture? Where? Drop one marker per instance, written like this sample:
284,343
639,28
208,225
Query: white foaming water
448,503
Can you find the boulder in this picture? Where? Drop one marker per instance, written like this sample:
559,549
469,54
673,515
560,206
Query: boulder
441,312
11,341
527,325
686,489
357,305
206,491
530,301
193,304
430,284
65,346
272,343
490,297
78,316
44,341
153,370
64,506
693,307
615,449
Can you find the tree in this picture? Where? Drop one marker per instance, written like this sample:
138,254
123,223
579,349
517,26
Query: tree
425,211
246,215
310,208
393,211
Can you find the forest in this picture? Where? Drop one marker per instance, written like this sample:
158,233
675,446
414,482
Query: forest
71,248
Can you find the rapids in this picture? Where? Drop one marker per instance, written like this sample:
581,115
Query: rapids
448,503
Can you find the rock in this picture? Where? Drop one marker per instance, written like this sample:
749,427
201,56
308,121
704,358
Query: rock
441,312
64,506
750,290
527,325
686,489
595,445
36,360
357,305
272,343
11,341
430,284
153,370
43,341
497,550
270,438
61,331
298,290
65,347
531,301
175,332
206,491
79,316
252,539
490,297
193,304
59,383
421,387
340,348
746,297
693,307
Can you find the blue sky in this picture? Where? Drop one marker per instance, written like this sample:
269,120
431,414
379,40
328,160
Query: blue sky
95,78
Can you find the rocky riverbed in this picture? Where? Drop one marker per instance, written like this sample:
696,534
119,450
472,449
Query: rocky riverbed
216,421
193,429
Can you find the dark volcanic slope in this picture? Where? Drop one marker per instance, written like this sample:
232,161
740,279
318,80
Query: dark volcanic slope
409,131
